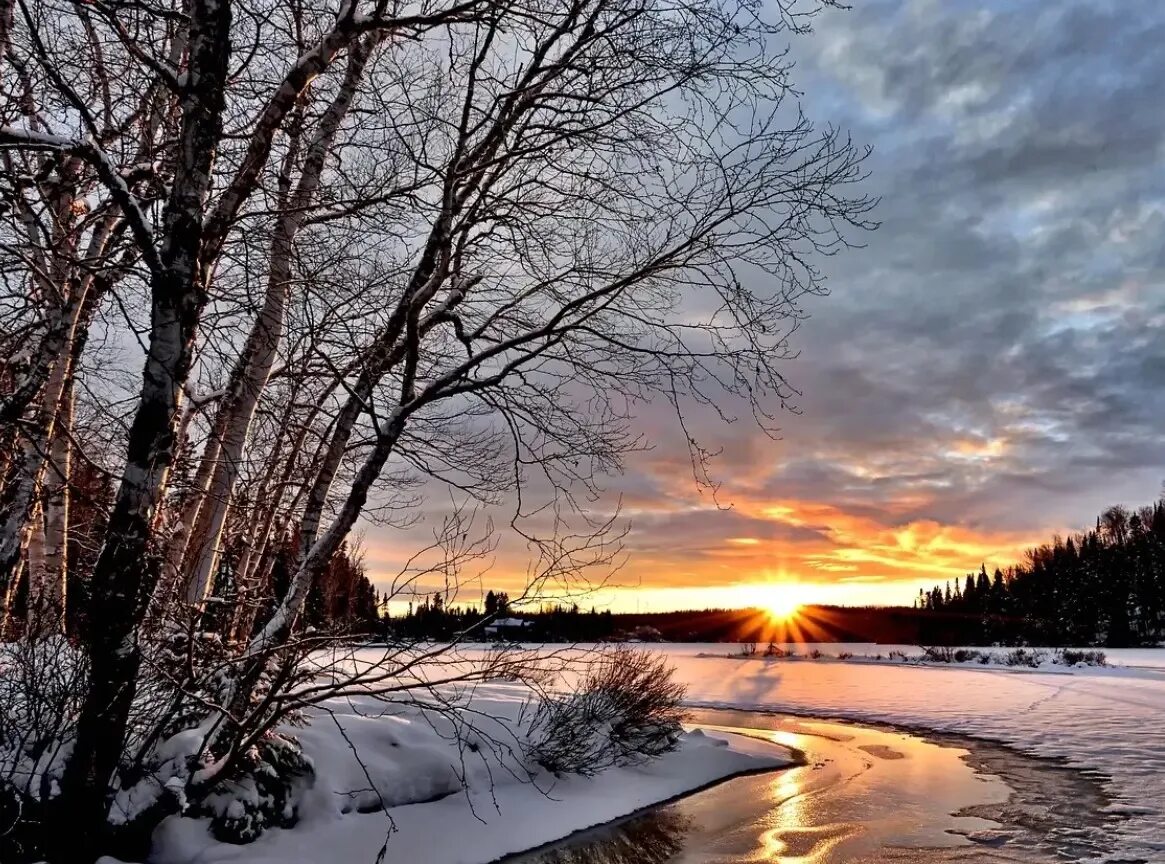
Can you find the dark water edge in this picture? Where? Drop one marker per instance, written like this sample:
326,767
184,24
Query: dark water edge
642,829
1052,813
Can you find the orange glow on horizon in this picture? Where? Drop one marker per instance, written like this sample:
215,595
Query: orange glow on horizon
765,552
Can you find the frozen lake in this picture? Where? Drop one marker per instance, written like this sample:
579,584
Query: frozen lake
862,795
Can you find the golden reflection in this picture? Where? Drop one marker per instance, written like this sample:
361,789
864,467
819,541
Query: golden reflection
791,837
802,845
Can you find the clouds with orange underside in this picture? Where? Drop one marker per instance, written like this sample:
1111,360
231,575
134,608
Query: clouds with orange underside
818,544
987,370
876,539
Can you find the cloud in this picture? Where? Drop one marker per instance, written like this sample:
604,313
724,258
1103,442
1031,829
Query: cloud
989,368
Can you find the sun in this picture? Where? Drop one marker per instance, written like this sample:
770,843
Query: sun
782,601
782,606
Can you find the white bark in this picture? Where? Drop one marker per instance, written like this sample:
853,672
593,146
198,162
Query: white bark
258,359
68,322
54,357
8,596
14,533
188,519
47,579
34,552
321,552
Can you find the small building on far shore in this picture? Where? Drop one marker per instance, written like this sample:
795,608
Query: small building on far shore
512,629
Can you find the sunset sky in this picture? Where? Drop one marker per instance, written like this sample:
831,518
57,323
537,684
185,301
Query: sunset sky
987,371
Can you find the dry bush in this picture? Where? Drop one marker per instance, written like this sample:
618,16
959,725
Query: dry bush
40,683
627,708
1024,657
1071,657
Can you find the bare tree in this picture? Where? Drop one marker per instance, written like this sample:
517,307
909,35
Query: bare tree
383,247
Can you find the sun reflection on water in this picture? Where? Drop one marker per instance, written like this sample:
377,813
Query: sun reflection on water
792,837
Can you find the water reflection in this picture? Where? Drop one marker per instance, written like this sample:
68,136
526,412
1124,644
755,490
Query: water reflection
653,838
793,837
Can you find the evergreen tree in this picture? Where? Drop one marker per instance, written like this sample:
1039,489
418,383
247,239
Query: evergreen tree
1105,586
970,598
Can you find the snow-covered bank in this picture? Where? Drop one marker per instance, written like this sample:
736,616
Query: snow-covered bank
450,804
1121,660
1012,658
1104,721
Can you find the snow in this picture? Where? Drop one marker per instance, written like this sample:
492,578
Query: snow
468,805
450,804
32,138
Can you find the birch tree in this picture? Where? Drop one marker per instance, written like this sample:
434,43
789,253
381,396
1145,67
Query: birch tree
365,250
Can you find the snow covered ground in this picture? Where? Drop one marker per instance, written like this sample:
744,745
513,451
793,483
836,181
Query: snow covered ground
1108,722
456,805
451,804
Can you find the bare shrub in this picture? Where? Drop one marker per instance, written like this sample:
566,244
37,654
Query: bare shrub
627,708
40,686
940,654
1073,657
1024,657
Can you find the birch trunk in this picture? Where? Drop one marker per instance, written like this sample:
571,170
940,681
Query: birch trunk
52,366
51,379
258,358
124,574
171,582
7,598
254,565
283,620
22,501
34,555
46,596
25,489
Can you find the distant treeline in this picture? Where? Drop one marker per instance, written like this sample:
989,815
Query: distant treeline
434,618
888,625
1103,587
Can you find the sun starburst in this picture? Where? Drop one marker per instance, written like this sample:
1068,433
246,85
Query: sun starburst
782,601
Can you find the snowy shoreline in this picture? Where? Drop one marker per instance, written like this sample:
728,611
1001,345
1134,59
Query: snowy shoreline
795,761
483,821
1053,662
